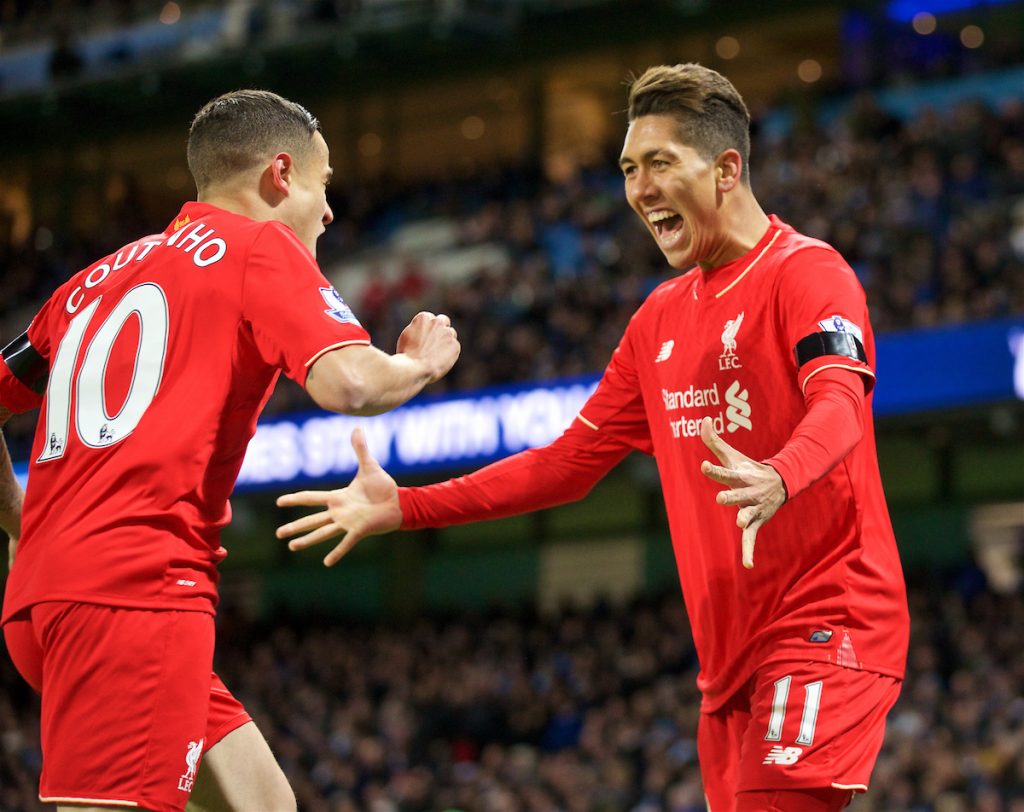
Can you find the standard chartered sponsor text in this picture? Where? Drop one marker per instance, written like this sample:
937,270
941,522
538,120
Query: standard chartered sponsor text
693,397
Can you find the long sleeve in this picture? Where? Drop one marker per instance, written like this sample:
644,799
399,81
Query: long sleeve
561,472
833,425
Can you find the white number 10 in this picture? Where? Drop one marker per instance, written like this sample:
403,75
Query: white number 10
95,426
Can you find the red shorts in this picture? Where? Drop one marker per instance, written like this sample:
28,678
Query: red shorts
129,701
795,726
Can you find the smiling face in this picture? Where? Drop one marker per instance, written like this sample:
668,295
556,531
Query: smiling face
677,192
306,209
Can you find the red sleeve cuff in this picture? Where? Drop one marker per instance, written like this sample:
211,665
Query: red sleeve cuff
410,513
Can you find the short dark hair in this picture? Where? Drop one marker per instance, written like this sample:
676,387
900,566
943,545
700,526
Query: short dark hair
710,112
239,130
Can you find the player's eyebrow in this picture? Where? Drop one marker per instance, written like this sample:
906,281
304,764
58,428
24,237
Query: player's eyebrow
646,157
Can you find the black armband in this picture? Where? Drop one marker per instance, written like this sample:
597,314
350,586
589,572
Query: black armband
27,364
826,343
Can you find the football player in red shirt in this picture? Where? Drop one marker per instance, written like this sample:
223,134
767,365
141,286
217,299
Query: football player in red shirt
151,366
764,339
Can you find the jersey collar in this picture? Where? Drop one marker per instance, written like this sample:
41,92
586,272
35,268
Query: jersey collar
719,281
190,212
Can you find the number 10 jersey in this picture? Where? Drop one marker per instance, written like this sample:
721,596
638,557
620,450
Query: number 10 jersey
151,367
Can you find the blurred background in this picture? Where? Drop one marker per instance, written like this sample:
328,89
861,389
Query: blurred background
544,663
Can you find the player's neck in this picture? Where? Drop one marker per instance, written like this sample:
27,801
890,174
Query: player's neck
240,201
743,224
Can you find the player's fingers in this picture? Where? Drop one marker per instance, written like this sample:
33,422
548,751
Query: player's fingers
304,525
303,499
351,539
720,474
362,450
747,516
742,497
315,537
719,447
445,321
749,537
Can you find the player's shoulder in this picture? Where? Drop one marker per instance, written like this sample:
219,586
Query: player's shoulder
796,249
799,256
792,242
275,238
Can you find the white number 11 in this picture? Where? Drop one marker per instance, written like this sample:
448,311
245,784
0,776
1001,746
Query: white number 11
812,701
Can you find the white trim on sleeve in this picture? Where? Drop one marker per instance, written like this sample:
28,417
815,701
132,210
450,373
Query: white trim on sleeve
860,370
339,345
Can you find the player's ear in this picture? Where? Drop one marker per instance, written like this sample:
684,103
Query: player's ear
729,169
282,168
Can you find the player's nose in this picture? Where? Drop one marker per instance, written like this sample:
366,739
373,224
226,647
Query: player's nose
328,217
643,190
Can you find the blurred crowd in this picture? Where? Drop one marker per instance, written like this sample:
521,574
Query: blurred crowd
929,211
581,711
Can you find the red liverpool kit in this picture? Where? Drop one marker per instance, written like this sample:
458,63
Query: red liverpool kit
740,345
151,366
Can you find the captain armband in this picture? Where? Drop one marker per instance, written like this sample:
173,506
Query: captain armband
26,364
817,345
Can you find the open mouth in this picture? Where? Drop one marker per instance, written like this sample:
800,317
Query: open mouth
667,225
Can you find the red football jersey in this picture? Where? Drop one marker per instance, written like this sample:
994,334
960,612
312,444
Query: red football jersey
159,359
738,345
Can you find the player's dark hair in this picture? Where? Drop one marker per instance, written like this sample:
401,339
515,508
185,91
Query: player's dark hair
242,129
711,114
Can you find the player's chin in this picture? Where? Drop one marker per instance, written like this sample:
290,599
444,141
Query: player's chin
680,258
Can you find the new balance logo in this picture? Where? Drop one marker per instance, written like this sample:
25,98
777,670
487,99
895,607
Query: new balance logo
783,756
738,412
665,351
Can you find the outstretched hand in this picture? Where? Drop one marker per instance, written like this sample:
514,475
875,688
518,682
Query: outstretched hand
756,488
368,506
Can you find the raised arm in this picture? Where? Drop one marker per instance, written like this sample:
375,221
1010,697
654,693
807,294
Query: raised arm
11,495
362,380
561,472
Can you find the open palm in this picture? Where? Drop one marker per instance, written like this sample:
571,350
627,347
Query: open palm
368,506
